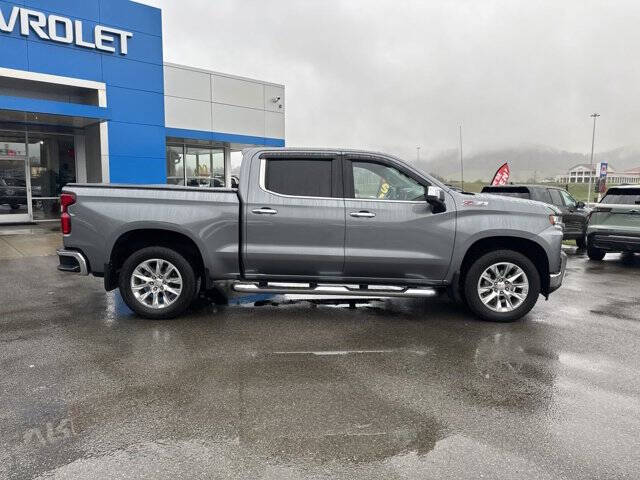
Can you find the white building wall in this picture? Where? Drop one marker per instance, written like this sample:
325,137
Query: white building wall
214,102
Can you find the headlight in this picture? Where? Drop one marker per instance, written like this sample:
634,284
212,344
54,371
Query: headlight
556,221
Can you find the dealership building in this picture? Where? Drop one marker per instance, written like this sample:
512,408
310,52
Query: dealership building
85,96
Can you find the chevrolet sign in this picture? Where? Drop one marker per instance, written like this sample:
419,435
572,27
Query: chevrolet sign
63,30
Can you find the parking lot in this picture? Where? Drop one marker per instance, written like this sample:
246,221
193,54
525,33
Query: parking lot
390,389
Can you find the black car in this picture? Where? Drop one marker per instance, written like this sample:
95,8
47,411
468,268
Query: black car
575,215
13,192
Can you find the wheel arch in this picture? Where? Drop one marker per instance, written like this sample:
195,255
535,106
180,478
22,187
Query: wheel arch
136,239
527,247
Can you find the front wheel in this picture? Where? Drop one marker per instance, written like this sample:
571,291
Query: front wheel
595,253
157,283
502,286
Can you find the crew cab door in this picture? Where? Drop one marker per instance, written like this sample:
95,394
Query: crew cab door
392,232
294,216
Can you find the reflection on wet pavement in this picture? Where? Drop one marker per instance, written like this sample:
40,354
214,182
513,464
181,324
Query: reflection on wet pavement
274,387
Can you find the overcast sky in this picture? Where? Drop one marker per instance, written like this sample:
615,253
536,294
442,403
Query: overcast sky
393,74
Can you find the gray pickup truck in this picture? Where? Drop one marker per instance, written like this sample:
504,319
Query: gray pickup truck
303,221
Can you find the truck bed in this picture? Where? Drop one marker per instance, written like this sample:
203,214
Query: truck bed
106,214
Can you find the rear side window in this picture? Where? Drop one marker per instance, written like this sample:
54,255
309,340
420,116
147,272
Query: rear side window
517,192
299,177
556,198
627,196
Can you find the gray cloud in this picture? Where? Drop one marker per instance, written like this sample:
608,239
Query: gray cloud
391,75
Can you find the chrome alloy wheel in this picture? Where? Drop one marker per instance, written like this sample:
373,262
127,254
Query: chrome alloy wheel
503,287
156,283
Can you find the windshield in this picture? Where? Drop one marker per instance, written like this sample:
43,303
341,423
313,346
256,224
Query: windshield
627,196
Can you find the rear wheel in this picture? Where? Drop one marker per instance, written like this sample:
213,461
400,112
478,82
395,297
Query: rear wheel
581,243
502,286
157,283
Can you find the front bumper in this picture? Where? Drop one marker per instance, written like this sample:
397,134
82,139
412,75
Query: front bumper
72,261
615,241
555,279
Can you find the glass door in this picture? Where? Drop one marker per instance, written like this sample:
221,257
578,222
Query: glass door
52,164
15,191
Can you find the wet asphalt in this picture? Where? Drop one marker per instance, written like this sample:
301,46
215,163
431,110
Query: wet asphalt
396,389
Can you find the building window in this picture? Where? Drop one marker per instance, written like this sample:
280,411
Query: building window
175,165
204,167
195,166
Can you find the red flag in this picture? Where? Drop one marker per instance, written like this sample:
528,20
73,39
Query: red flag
502,175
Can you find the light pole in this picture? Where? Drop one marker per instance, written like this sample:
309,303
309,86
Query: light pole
418,154
461,160
593,143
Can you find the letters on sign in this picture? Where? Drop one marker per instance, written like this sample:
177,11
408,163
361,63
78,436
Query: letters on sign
64,30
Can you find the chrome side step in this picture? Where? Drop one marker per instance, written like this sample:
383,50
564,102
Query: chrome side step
331,289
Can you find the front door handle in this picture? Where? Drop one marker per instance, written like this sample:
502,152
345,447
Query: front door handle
265,211
362,214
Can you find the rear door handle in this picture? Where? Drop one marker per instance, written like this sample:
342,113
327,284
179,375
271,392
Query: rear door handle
265,211
362,214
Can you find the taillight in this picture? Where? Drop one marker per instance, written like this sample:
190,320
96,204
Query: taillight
66,200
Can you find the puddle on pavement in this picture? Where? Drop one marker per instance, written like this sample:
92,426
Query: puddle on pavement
359,445
621,310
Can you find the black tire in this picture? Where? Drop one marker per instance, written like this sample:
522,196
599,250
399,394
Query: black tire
14,206
595,254
581,243
478,267
189,283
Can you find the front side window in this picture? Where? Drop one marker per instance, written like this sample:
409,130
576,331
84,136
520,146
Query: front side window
569,201
374,181
299,177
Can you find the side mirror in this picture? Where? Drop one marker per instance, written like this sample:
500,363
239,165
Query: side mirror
436,198
580,205
435,194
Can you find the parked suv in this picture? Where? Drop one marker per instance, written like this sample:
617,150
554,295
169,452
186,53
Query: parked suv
614,225
575,214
